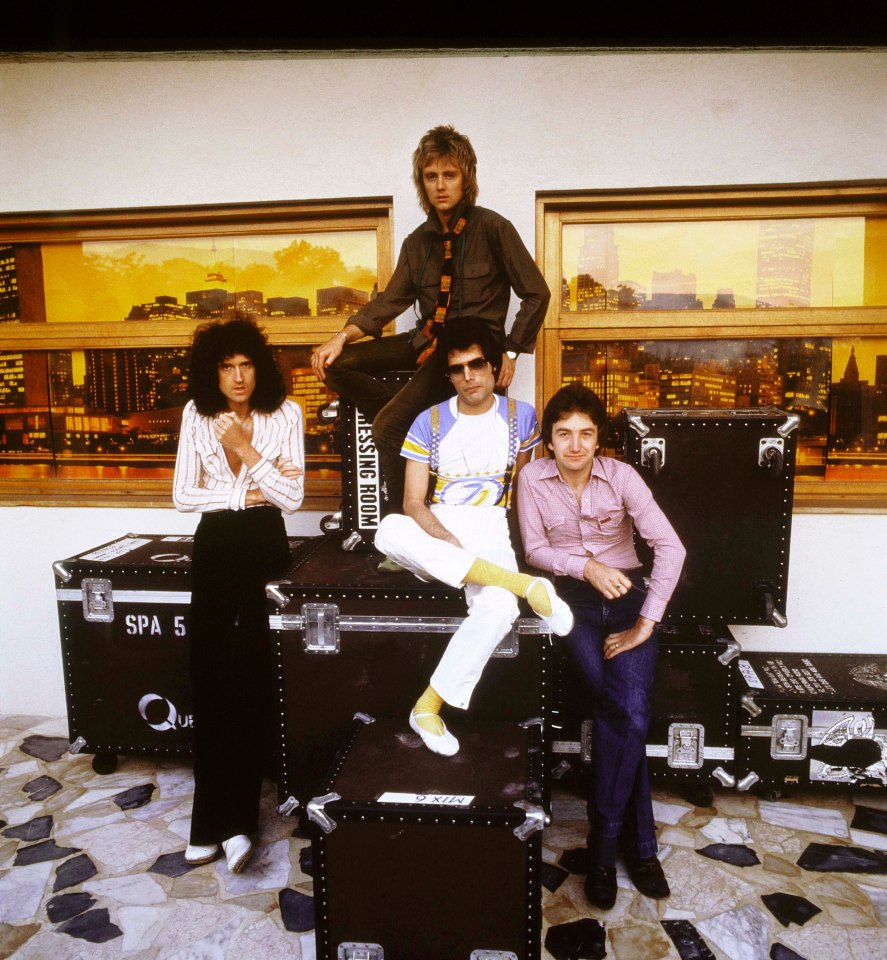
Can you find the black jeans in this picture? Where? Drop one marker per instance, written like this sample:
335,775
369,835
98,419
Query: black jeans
390,407
235,554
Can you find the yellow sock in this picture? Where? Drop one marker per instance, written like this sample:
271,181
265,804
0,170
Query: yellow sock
488,574
429,703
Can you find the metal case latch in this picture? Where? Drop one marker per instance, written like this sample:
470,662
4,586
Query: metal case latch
686,745
492,955
535,820
509,646
360,951
321,625
98,600
318,815
788,739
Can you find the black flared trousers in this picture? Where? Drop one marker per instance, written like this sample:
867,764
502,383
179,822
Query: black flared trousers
235,554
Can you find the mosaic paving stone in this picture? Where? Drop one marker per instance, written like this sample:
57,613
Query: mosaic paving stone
787,908
552,877
45,748
37,829
94,926
810,819
306,861
701,887
128,845
45,850
687,940
73,871
134,797
629,942
736,854
781,952
871,819
575,860
296,911
307,947
727,830
41,787
21,891
172,864
741,934
579,940
67,905
878,897
13,936
263,938
137,889
77,825
827,857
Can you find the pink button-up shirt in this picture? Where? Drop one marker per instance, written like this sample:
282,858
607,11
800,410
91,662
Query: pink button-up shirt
560,534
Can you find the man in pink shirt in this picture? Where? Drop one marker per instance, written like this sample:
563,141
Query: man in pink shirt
577,515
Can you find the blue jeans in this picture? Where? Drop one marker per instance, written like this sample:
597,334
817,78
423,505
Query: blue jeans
619,802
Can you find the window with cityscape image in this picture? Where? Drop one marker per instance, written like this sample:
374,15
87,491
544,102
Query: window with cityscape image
731,297
107,405
837,387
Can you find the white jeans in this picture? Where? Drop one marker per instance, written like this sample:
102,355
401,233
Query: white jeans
483,533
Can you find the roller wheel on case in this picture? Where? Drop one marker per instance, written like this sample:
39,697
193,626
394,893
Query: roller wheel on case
104,763
699,794
331,522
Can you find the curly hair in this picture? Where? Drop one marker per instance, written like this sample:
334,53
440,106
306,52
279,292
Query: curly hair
573,398
445,141
460,333
215,342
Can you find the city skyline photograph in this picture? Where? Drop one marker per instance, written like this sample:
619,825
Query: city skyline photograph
803,262
102,281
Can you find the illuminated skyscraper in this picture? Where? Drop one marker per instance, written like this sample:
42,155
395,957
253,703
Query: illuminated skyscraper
785,262
209,303
590,295
334,301
21,284
599,256
287,307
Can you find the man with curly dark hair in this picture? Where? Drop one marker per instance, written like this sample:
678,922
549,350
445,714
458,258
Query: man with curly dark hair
464,260
240,465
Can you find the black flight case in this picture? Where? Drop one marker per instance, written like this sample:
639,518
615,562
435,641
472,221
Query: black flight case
364,496
347,639
724,478
421,856
812,720
123,612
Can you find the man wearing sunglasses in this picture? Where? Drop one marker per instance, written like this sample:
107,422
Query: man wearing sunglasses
462,458
464,260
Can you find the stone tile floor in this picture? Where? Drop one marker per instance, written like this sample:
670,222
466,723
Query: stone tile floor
91,867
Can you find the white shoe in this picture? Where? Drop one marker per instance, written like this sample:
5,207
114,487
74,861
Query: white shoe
561,619
443,743
199,854
237,851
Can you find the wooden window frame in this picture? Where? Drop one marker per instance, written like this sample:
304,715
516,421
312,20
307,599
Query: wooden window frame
146,223
555,209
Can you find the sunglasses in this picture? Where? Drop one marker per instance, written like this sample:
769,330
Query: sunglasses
459,369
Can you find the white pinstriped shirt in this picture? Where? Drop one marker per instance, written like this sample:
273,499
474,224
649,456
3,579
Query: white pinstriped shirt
203,480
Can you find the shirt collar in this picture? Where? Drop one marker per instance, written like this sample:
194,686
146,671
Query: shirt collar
432,223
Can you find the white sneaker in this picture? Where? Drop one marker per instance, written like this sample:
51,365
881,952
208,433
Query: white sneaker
443,743
199,854
237,851
561,619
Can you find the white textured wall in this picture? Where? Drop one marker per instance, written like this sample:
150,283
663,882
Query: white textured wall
108,133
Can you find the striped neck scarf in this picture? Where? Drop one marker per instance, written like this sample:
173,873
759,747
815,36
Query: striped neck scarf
435,322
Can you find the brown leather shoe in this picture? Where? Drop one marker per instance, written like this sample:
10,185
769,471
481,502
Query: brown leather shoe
648,877
600,886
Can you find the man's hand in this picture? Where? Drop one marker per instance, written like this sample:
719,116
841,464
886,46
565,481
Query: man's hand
254,497
618,643
230,433
289,469
325,354
506,374
611,582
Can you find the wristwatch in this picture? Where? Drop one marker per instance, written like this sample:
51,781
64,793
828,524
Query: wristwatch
511,354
